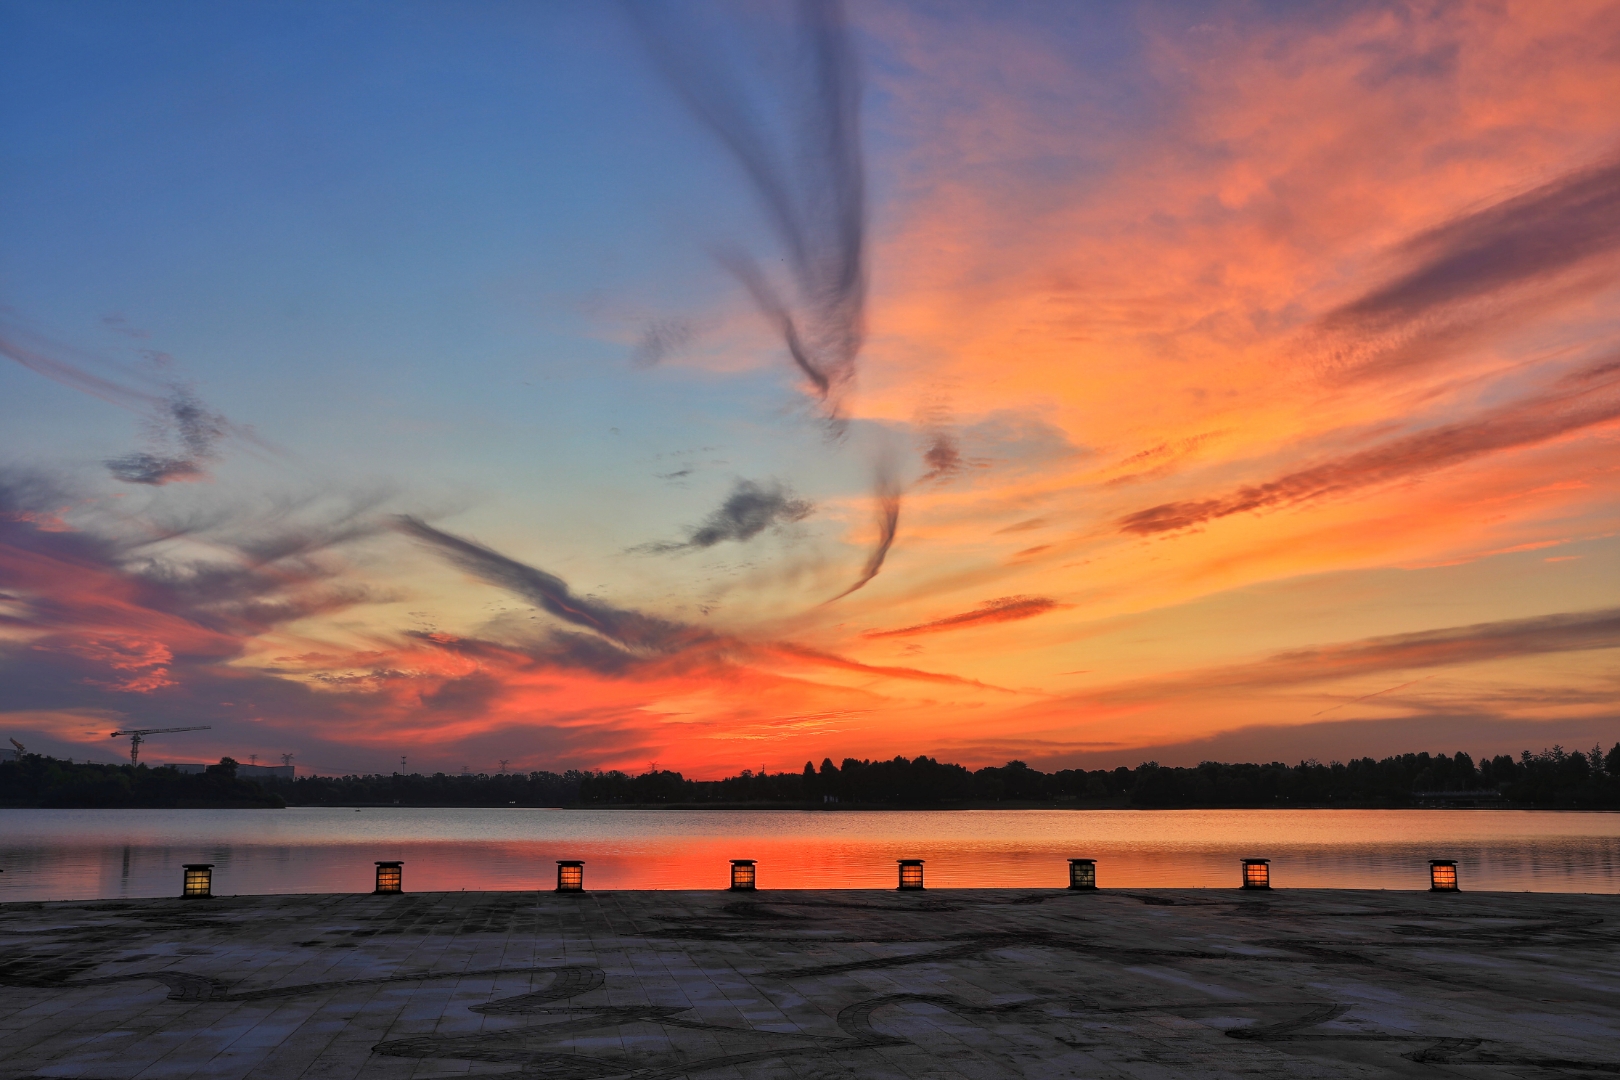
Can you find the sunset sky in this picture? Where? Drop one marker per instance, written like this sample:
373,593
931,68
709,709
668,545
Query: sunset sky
726,386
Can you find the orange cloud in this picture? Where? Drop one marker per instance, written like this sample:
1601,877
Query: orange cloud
1006,609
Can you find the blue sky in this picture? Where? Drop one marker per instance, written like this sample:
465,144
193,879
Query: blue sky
412,254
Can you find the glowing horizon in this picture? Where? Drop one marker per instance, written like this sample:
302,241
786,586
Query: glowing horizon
730,387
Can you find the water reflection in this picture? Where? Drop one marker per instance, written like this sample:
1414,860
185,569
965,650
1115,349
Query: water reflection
83,854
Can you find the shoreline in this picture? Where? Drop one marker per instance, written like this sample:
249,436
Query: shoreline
848,808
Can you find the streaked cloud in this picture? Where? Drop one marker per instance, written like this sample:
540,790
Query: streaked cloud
1004,609
1583,399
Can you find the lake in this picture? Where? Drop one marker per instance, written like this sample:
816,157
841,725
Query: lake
98,854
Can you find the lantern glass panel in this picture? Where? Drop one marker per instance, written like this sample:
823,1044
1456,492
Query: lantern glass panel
1442,876
911,873
742,874
1256,874
199,880
390,879
570,877
1082,873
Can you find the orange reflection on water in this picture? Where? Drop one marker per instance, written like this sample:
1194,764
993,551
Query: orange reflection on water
85,854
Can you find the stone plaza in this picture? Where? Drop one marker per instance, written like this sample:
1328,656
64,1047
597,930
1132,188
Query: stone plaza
940,983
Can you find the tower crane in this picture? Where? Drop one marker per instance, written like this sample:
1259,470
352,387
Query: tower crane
137,735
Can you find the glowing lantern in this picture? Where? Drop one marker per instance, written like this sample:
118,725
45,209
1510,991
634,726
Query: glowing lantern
1443,875
390,879
199,879
570,875
1082,873
911,873
1257,873
742,875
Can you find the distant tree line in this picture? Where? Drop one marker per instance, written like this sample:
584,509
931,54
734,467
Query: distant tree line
38,780
436,789
1552,779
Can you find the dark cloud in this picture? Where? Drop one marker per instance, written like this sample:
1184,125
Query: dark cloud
1489,257
1005,609
788,109
749,510
1583,399
942,456
631,629
143,468
886,496
190,429
185,432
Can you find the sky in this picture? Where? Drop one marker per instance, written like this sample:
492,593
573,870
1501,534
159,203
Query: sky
724,386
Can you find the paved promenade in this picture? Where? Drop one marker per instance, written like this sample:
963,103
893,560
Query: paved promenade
974,984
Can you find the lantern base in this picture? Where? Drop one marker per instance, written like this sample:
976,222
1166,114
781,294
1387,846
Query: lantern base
1083,888
1246,886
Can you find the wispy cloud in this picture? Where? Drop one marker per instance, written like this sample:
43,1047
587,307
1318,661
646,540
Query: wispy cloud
1544,231
631,629
186,434
649,637
886,498
1586,398
794,127
1530,240
1580,631
1005,609
748,510
194,433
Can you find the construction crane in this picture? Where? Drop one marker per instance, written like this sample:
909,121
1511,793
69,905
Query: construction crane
136,735
21,750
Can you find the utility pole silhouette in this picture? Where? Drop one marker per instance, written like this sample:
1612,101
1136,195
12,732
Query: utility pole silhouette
286,759
402,763
253,759
504,763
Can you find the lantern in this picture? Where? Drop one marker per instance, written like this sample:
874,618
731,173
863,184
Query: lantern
1257,873
911,873
570,875
742,875
1443,875
1082,873
199,879
389,877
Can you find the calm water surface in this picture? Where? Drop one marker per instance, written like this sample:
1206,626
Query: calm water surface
91,854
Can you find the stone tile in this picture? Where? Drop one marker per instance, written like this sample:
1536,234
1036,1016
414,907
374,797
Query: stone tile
812,986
